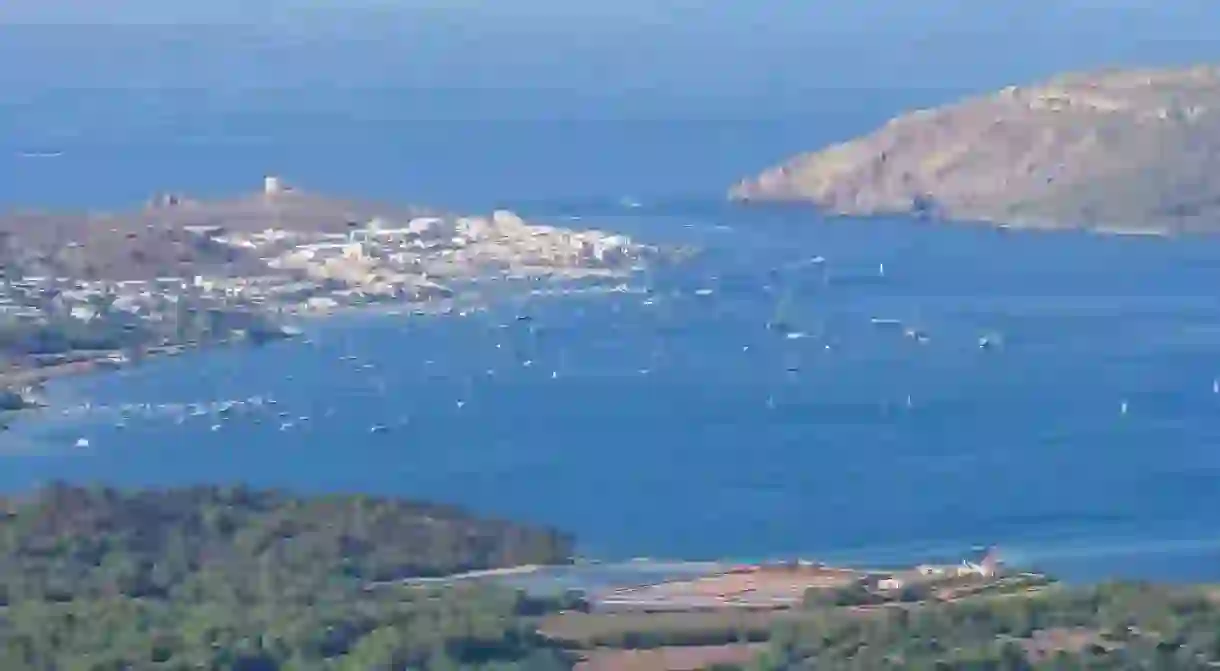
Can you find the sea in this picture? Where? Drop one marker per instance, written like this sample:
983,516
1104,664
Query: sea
1056,396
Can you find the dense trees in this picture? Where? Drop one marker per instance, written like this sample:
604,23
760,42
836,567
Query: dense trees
97,538
11,400
187,321
1111,626
242,579
66,334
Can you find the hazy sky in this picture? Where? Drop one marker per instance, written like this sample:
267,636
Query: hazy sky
857,13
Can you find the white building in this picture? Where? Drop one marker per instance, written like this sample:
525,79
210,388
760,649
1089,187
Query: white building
889,584
273,186
985,567
354,251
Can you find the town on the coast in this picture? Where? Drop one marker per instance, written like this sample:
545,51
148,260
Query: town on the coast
81,291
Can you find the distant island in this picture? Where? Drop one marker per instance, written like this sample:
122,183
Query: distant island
1119,151
243,579
82,290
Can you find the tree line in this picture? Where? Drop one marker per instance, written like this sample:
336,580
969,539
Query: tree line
236,578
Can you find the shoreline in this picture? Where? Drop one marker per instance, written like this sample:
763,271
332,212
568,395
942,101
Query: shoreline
1000,224
261,260
108,361
650,586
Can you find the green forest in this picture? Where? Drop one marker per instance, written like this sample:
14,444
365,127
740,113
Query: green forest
234,578
1109,626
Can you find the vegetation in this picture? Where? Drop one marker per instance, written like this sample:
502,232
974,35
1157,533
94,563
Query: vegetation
110,330
241,579
642,631
235,578
1112,626
12,400
58,336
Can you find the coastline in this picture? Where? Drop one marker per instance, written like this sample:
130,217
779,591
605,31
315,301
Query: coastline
970,157
1001,224
844,556
570,283
668,586
263,263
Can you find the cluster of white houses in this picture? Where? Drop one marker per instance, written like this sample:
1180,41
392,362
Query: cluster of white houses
374,261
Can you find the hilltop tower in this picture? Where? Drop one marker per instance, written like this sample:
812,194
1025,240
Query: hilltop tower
273,186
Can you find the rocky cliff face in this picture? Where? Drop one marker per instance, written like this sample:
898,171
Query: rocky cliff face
1107,150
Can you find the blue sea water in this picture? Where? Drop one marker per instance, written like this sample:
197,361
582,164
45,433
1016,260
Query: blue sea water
852,443
737,441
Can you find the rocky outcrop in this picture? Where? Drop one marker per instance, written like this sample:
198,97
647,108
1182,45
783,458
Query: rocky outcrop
1105,150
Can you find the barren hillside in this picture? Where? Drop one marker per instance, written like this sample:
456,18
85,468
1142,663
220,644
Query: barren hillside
1105,150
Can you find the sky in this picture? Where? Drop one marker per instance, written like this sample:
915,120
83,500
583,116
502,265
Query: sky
858,15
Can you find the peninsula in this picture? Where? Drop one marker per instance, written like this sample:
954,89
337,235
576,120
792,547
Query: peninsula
86,289
1119,151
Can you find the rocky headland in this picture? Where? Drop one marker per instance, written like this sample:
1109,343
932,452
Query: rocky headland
1119,150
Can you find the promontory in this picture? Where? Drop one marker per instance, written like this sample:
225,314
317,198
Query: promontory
80,290
1117,150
